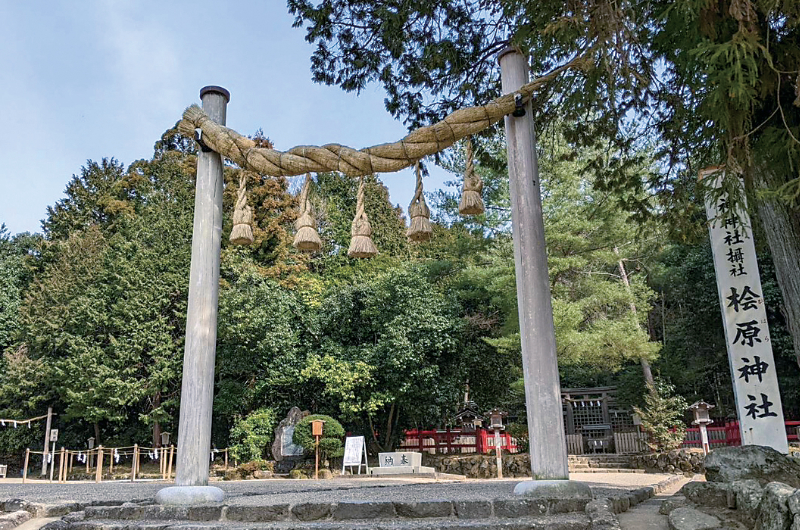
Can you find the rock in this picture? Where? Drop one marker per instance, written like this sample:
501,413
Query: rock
763,464
477,509
424,509
601,515
794,503
773,512
257,514
676,501
691,519
747,497
706,493
313,511
262,474
297,474
363,510
283,446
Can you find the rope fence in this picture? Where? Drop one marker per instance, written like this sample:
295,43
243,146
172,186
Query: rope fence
101,458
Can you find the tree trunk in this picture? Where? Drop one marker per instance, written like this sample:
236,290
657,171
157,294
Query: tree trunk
647,372
782,229
156,425
96,434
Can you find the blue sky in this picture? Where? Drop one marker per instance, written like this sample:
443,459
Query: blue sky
100,78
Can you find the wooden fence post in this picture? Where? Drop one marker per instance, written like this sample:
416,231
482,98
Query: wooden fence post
133,461
62,466
226,459
171,460
98,476
25,469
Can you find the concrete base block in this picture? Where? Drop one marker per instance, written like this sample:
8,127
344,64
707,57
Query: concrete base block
554,489
187,495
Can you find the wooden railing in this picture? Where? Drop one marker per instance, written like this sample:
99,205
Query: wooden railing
455,441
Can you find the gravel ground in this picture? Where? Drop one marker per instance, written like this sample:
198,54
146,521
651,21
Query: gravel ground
262,492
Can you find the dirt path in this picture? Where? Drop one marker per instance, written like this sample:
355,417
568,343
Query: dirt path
645,516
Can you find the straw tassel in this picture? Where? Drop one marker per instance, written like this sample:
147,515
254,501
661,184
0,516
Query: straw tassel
471,201
242,232
420,228
306,239
361,245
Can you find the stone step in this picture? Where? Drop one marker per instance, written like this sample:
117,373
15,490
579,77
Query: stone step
572,521
346,510
606,470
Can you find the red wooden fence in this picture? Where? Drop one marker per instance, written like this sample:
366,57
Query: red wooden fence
728,434
450,441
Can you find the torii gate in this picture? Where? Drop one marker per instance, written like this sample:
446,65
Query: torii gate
542,388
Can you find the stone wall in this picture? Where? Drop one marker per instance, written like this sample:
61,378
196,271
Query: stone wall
480,466
678,461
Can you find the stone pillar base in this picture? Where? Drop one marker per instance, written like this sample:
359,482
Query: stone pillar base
188,495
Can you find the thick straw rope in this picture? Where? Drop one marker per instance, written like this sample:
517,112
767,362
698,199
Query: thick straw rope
242,232
306,238
471,200
420,228
361,245
380,158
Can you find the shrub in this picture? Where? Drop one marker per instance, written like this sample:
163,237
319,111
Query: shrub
520,432
330,445
662,417
251,436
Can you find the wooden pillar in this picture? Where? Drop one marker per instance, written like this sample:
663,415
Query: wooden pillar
62,465
133,461
47,439
197,387
548,444
52,460
88,459
98,475
111,462
169,464
25,469
226,458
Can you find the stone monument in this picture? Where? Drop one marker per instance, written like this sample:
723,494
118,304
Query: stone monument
284,450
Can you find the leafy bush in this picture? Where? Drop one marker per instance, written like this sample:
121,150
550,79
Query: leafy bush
520,432
251,436
662,417
330,444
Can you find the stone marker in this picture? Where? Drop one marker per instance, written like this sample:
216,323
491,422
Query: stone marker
284,450
400,463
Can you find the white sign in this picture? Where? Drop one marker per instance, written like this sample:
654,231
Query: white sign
755,382
53,435
355,453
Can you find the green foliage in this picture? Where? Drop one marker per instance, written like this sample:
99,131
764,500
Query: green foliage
662,417
330,444
251,436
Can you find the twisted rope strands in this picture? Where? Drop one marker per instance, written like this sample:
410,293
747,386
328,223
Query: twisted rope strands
242,232
306,238
384,158
420,228
471,201
361,245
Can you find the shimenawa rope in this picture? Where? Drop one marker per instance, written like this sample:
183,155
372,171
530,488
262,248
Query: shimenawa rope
306,238
420,227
